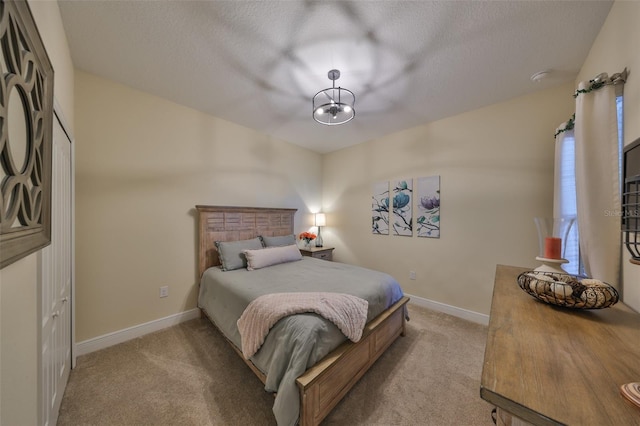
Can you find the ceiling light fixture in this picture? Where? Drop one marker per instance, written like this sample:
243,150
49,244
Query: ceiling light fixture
334,105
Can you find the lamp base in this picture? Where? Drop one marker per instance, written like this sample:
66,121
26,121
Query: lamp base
551,265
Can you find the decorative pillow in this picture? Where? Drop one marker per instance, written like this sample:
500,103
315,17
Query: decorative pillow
285,240
230,252
257,259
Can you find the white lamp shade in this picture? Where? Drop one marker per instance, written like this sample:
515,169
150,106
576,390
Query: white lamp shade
321,219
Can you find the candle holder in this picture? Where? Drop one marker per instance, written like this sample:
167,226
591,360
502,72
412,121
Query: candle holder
552,241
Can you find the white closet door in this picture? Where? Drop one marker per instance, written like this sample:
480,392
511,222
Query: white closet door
56,284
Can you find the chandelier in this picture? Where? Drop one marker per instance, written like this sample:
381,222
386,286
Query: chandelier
334,105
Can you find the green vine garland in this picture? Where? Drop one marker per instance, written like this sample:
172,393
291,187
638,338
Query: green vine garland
569,126
593,85
598,82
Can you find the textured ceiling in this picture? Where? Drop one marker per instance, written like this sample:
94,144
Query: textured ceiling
258,63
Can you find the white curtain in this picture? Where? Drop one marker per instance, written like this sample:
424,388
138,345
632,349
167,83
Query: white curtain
564,200
598,182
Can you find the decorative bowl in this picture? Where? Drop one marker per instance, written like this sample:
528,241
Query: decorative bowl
567,290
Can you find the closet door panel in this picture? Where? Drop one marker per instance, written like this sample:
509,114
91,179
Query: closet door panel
56,284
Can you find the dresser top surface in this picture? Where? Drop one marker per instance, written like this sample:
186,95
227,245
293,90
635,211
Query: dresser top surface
554,365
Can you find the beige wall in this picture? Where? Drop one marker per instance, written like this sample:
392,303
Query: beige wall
143,163
496,169
19,342
19,281
615,48
49,22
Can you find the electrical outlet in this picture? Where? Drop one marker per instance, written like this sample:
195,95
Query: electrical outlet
412,275
164,291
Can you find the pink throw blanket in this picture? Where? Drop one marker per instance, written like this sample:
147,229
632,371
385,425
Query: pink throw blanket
347,312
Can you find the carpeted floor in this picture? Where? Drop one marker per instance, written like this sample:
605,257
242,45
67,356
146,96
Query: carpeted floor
188,375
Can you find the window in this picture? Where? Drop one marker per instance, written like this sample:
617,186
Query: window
566,201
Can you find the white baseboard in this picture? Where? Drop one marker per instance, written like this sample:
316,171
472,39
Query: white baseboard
110,339
451,310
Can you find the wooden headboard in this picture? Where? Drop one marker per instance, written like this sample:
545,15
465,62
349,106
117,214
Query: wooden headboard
220,223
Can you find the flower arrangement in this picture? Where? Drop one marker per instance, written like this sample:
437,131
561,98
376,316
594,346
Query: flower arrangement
307,237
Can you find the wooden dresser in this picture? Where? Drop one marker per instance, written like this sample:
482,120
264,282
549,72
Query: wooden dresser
548,365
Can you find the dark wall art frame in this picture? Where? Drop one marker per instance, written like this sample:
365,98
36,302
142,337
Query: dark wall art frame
26,127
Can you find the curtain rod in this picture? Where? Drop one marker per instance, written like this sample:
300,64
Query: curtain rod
603,79
617,78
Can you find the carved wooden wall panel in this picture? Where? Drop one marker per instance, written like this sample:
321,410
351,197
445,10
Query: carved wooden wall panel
26,120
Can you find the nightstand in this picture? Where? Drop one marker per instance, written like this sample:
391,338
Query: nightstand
325,253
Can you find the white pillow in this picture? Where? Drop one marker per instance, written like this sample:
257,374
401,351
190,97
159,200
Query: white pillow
269,256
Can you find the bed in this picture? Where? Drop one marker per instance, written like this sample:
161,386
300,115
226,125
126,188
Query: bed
315,383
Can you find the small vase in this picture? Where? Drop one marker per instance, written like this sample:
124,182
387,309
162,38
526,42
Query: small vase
307,244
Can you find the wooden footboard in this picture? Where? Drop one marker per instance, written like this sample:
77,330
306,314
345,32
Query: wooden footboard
327,382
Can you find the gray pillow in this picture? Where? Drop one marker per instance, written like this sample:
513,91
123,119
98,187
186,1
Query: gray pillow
230,252
284,240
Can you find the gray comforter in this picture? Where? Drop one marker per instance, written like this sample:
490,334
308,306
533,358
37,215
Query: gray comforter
299,341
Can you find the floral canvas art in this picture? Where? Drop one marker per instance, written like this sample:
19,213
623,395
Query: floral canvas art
402,211
428,203
380,208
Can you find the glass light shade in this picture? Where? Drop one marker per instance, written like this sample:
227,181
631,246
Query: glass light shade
549,229
321,219
334,105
